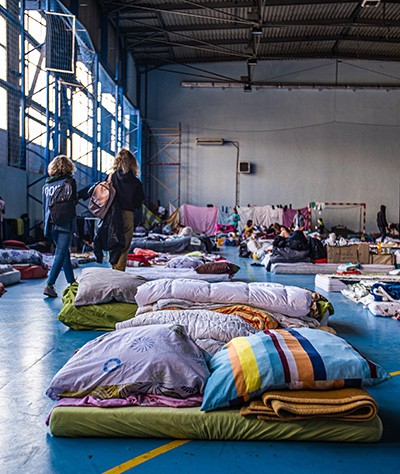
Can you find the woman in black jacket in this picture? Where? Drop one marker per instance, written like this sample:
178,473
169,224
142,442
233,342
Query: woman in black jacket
129,195
60,171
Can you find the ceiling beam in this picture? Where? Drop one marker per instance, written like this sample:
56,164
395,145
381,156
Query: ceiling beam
336,22
155,61
121,7
289,85
154,42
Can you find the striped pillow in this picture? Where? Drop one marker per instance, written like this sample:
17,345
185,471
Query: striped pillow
291,359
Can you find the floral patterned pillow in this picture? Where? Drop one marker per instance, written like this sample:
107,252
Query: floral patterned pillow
158,359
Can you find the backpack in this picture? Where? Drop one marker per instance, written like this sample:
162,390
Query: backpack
102,197
317,249
63,203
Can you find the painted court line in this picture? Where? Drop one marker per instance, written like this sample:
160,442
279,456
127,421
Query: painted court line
146,456
249,272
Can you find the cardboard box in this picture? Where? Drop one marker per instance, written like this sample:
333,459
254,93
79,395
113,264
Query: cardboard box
382,259
356,253
363,253
345,254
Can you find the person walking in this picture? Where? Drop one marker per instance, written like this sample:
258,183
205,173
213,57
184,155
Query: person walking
129,195
60,170
381,222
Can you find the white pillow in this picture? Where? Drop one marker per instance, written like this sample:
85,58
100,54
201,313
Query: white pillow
102,285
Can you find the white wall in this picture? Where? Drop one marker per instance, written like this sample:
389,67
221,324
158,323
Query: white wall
306,145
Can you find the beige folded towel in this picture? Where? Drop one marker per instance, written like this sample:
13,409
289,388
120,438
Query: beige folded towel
350,404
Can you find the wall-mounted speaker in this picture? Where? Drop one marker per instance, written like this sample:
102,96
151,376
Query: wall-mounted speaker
244,167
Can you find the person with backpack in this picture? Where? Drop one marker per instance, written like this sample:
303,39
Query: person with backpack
129,195
59,202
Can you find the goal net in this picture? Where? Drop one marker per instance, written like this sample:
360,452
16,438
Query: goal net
349,215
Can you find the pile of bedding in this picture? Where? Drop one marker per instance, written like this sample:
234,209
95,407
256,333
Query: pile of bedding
101,298
173,244
150,381
289,306
195,265
335,282
101,317
382,299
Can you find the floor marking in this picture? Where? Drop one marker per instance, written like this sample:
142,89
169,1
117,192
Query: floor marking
248,271
146,456
394,373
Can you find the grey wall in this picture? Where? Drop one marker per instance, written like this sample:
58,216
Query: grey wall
306,145
13,189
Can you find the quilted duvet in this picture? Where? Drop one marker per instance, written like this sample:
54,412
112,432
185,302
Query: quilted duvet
289,300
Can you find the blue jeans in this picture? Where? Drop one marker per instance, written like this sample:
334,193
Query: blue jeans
62,258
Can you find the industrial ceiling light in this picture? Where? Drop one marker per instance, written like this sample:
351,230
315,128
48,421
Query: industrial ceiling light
210,141
256,31
247,88
370,3
252,61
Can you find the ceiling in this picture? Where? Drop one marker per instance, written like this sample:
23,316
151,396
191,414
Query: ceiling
160,32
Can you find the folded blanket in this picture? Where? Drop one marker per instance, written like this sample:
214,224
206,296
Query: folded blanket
258,318
349,404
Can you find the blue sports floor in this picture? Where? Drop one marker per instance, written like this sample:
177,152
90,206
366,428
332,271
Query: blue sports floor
34,345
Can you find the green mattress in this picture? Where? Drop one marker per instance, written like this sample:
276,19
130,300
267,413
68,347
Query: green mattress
191,423
101,317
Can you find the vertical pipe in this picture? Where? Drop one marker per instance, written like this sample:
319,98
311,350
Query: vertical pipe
146,85
56,135
139,140
48,130
22,141
180,164
22,131
95,172
117,91
138,87
237,175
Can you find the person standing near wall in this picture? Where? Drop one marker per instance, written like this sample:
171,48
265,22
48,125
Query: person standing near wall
2,212
129,194
60,170
299,221
382,222
234,219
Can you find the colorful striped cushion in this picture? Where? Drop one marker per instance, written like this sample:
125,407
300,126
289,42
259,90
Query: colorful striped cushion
291,359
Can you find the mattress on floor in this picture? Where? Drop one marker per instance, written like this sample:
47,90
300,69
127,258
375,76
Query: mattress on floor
335,282
9,275
155,273
307,268
31,272
176,245
191,423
